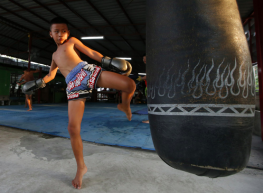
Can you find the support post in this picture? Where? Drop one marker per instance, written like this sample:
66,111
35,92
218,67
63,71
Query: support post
250,40
29,49
258,6
39,90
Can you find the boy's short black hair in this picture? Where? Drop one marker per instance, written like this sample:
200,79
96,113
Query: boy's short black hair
58,20
144,54
26,69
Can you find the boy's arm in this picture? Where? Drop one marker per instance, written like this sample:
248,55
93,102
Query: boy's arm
86,50
36,71
22,77
115,65
41,83
20,83
52,72
144,78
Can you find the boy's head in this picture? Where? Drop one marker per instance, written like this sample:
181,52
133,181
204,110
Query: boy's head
57,20
59,30
26,70
144,58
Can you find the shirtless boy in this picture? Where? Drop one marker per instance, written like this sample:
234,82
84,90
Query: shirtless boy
28,76
81,77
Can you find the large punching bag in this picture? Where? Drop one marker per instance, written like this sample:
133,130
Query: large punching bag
201,97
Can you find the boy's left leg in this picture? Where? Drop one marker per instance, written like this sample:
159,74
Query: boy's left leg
119,82
75,114
25,102
28,102
31,102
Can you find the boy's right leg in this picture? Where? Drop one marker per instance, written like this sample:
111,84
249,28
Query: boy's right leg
31,102
147,121
75,114
25,102
28,102
119,82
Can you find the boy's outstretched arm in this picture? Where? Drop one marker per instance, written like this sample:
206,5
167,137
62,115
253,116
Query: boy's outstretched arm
41,83
20,83
36,71
115,65
52,72
22,77
20,80
86,50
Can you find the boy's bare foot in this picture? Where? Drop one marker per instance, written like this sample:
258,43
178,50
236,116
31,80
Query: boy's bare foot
146,121
77,182
127,111
29,110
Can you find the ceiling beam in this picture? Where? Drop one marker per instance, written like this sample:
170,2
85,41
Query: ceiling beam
23,52
24,43
107,26
23,7
44,6
91,4
76,13
126,14
16,25
16,41
9,23
251,16
23,18
33,23
36,7
27,30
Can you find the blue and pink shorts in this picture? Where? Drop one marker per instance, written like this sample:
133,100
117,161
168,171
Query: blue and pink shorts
81,80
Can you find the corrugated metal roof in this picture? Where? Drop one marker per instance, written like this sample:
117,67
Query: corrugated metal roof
123,36
245,8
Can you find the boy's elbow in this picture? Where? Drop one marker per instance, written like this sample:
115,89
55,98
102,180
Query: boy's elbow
48,78
52,77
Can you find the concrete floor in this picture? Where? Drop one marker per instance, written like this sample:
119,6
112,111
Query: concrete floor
35,163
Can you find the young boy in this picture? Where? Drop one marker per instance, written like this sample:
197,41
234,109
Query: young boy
81,78
28,76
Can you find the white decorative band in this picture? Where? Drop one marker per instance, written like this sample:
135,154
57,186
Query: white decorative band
222,110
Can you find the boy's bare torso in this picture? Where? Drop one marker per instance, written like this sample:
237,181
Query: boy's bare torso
28,76
66,57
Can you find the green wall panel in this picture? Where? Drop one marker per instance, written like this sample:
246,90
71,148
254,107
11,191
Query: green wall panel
57,93
4,82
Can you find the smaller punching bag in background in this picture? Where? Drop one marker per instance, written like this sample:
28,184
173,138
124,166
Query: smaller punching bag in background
201,95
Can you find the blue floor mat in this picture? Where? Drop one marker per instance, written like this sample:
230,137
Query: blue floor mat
102,123
141,112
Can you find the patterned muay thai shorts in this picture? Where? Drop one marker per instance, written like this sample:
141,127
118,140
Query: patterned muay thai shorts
81,80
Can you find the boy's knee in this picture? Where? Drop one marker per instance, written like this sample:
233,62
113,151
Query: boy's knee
72,130
131,85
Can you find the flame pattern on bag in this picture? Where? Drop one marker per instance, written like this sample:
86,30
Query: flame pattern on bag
224,84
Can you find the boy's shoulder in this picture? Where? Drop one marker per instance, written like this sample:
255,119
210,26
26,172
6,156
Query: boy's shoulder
72,39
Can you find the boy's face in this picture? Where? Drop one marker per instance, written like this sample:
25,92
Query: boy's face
144,59
59,32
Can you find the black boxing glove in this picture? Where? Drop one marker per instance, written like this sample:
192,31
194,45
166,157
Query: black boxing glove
33,85
116,65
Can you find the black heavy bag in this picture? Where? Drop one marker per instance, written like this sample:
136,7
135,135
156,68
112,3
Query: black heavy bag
200,85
